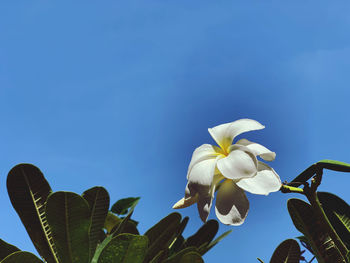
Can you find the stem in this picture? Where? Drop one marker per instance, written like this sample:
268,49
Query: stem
291,189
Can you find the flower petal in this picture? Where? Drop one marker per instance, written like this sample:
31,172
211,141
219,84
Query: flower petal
200,182
232,205
225,133
240,163
185,202
258,149
204,204
202,153
265,181
203,194
202,173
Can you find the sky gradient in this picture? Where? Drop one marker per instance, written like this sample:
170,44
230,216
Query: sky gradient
120,93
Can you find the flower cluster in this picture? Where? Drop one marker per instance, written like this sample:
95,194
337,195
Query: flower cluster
229,169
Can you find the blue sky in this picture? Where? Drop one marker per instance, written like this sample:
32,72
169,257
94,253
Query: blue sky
120,93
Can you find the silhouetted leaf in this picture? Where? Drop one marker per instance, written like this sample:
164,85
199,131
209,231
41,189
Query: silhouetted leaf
21,257
306,222
305,243
122,206
287,252
116,230
178,256
124,248
98,200
68,215
205,234
206,247
28,191
6,249
178,243
334,165
338,213
125,221
162,234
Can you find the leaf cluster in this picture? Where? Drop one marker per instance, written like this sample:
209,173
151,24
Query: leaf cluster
324,222
66,227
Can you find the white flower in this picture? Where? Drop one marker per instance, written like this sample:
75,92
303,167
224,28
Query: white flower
232,167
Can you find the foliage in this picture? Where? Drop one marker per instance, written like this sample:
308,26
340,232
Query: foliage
324,221
66,227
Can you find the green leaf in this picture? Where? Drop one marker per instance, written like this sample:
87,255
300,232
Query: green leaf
305,243
6,249
68,215
111,222
191,257
21,257
177,245
206,247
124,248
307,223
125,221
338,213
179,241
114,232
98,200
313,169
205,234
28,191
159,257
334,165
178,256
287,252
122,206
162,234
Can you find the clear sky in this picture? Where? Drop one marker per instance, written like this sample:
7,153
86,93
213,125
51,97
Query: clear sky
120,93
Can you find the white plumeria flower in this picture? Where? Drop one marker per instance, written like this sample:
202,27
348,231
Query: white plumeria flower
232,166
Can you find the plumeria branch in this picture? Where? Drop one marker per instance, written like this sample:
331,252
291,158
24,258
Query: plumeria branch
311,194
290,189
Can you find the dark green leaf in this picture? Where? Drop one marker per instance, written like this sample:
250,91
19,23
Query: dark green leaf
191,257
21,257
334,165
205,248
114,231
6,249
287,252
338,213
162,234
68,215
98,200
204,235
305,243
111,222
307,223
122,206
124,248
120,228
179,241
178,256
159,257
28,191
177,245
